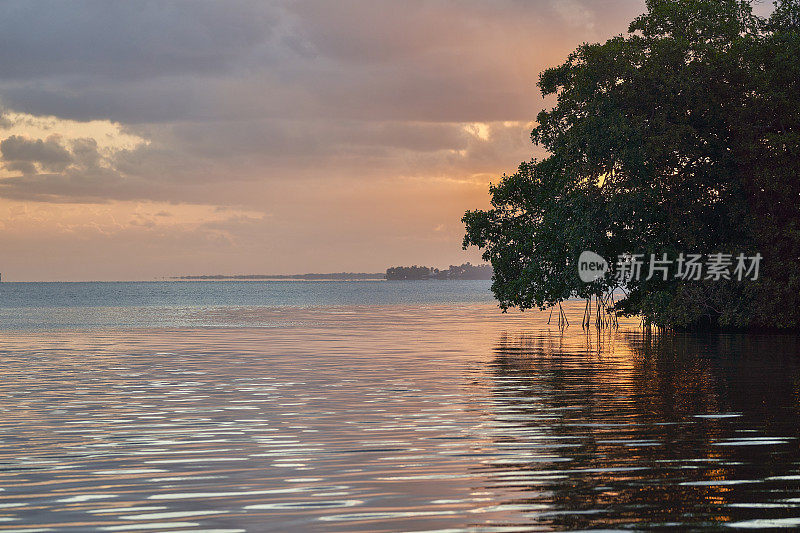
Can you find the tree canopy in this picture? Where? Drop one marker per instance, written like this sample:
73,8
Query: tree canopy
679,136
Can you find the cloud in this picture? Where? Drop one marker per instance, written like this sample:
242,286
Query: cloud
260,157
5,121
373,60
48,154
124,41
54,171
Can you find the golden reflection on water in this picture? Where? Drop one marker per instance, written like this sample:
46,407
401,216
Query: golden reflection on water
441,417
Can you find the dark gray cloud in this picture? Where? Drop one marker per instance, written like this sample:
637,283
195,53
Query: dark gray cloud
49,153
25,167
124,41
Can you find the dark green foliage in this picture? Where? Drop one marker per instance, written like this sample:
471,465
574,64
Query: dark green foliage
408,273
681,136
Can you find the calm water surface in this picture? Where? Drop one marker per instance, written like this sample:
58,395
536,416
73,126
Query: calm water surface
410,411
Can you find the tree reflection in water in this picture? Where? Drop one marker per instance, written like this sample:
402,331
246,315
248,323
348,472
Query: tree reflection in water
607,429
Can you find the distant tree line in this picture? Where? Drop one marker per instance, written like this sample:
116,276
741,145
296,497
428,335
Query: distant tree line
465,271
308,277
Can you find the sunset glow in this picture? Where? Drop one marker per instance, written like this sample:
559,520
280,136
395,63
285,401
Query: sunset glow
275,138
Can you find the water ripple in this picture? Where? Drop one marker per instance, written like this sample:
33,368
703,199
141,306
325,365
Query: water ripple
425,418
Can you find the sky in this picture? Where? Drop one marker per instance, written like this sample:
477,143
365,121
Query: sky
141,140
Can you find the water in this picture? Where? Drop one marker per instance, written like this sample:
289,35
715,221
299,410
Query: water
203,303
433,415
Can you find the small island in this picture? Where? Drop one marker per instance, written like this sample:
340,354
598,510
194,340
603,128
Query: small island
465,271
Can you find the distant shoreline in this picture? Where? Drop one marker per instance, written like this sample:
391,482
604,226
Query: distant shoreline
337,276
400,273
